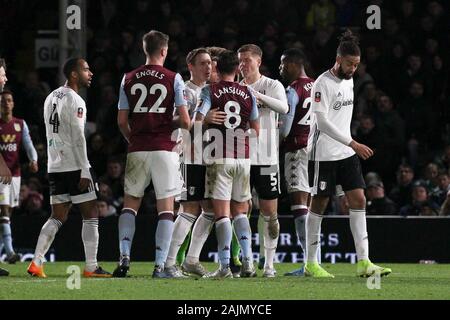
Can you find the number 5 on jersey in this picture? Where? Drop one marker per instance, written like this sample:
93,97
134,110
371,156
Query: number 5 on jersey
143,91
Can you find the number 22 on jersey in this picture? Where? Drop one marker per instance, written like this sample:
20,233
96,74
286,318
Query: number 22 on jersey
143,95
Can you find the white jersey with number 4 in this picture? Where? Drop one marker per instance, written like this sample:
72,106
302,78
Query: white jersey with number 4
268,134
65,118
334,97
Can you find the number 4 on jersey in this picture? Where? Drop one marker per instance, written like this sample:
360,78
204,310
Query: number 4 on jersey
54,119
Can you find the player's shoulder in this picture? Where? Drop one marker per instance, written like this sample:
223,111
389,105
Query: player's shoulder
325,80
301,82
145,70
18,120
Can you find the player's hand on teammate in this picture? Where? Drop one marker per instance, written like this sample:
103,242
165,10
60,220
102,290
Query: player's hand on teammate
361,150
33,165
84,184
214,116
256,94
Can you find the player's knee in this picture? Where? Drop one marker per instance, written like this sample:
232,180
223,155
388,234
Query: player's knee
357,203
4,219
60,218
128,211
165,215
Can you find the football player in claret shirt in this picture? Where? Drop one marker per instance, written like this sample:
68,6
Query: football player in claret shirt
228,170
13,134
148,96
294,131
5,173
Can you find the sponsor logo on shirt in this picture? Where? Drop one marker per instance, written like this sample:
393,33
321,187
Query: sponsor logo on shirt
339,104
80,112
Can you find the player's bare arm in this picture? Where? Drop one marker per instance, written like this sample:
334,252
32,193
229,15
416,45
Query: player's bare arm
182,120
122,122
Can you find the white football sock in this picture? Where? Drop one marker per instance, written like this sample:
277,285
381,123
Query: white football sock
45,240
359,231
313,223
89,235
181,228
270,244
200,232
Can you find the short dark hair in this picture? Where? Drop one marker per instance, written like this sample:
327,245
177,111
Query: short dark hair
215,52
6,92
3,63
252,48
228,62
348,45
69,66
154,41
190,58
294,55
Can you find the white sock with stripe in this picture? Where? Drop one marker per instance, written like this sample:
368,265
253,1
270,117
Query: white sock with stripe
200,232
313,223
358,227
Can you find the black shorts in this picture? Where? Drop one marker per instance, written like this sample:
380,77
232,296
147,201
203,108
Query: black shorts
63,187
266,181
325,176
194,182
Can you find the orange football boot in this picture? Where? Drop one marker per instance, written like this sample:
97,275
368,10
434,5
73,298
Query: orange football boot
36,271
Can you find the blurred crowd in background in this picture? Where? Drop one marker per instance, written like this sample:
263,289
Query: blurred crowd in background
402,89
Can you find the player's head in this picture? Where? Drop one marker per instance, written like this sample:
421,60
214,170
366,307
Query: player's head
227,63
155,44
3,78
348,55
76,70
292,63
6,102
199,64
250,58
214,52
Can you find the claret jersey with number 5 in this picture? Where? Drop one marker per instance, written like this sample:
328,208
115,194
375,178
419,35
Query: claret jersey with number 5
150,93
65,119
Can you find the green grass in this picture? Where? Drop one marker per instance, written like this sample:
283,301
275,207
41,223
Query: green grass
408,281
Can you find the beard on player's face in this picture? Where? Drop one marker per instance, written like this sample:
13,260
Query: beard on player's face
343,75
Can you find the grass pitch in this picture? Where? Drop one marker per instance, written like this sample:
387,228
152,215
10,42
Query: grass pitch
408,281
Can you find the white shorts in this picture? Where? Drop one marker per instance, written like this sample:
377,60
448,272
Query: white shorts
296,171
228,180
9,193
161,167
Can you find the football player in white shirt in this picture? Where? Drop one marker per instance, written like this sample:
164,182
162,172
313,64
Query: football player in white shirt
333,159
264,175
70,179
193,196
